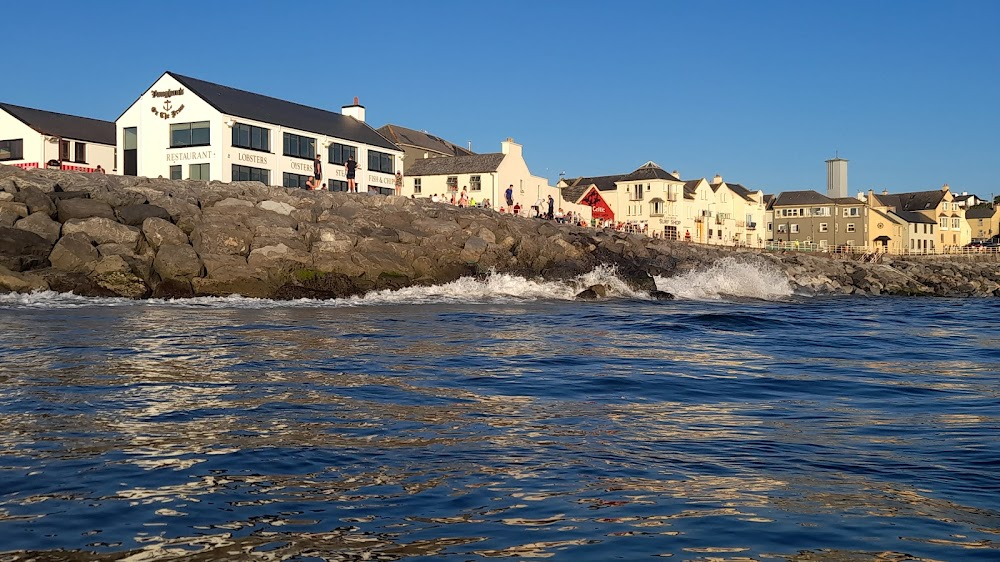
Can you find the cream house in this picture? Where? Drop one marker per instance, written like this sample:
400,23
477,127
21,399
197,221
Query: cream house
483,176
938,205
34,138
186,128
984,222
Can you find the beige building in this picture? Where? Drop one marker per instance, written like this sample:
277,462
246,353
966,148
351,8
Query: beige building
33,138
953,230
984,222
418,145
483,176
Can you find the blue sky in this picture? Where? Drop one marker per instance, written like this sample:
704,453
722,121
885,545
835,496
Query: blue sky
761,92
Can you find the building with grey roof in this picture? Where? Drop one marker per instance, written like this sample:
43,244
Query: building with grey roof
418,145
35,138
187,128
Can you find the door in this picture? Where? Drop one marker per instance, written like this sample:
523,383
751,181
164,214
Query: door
131,154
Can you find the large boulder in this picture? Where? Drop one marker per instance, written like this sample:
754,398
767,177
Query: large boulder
11,281
74,253
221,237
83,209
41,224
159,232
135,215
177,261
278,257
36,200
21,250
101,230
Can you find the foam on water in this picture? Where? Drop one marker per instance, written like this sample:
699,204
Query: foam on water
729,278
493,288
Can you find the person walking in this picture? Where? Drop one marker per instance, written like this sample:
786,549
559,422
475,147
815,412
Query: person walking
509,195
399,183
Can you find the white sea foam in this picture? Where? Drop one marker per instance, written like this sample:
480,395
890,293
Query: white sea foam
493,288
729,278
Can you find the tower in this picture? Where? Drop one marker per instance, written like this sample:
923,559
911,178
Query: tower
836,177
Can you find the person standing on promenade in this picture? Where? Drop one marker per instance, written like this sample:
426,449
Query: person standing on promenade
99,170
509,195
399,183
352,167
317,172
552,203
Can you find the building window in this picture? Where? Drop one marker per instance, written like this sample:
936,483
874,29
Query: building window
341,153
823,227
955,225
189,134
851,212
452,183
782,227
770,227
795,229
246,173
475,183
198,172
299,147
380,162
252,137
12,149
337,185
417,187
850,227
80,152
64,150
656,207
175,173
635,192
943,223
294,180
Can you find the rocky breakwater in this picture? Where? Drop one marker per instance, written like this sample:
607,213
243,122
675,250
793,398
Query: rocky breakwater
132,237
99,235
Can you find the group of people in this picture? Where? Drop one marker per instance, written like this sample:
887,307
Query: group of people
314,182
462,200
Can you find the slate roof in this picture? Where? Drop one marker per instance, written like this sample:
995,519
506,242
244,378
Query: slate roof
979,213
912,217
889,217
690,188
914,201
650,171
577,187
848,201
421,139
809,197
483,163
769,201
240,103
741,191
62,125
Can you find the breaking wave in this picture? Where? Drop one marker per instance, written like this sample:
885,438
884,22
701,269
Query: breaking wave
729,278
493,288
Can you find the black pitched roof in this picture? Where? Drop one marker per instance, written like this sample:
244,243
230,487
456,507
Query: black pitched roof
455,165
809,197
979,213
62,125
847,201
741,191
240,103
769,200
914,201
650,171
690,188
421,139
577,187
912,217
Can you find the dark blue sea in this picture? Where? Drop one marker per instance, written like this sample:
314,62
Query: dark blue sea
500,418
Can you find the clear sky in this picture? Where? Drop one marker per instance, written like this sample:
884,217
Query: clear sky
761,92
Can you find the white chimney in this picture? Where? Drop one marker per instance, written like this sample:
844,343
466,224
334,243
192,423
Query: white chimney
717,179
510,147
356,111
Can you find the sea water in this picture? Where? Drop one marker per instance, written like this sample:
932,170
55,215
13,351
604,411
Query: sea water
500,418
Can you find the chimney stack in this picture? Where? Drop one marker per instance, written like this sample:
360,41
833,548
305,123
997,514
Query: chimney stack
356,111
717,179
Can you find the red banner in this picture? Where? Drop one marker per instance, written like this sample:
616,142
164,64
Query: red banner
599,208
26,165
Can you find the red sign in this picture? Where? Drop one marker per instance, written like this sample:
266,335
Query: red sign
599,208
26,165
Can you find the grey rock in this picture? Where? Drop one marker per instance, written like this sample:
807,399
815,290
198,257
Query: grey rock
101,230
83,209
159,231
177,261
135,215
21,250
74,253
36,200
41,224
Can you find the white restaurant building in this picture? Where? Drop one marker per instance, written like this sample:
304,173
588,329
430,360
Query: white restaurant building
186,128
34,138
